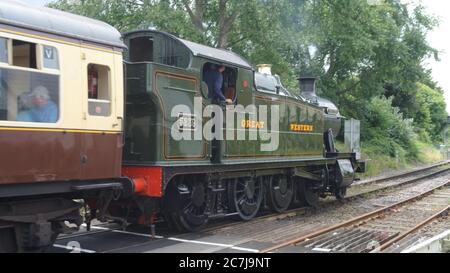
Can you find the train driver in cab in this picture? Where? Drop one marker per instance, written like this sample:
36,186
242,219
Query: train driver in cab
40,107
214,79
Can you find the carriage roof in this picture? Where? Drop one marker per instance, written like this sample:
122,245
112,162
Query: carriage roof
199,50
16,13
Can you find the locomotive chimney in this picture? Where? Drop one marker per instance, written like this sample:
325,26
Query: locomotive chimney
308,86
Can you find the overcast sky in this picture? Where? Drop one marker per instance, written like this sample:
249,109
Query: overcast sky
37,2
440,39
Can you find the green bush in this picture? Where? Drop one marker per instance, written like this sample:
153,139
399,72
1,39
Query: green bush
431,116
392,141
388,131
378,162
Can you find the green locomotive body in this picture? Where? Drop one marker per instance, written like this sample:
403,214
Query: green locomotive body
193,178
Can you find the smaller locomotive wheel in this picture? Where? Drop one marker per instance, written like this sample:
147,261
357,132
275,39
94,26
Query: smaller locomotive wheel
246,196
307,195
280,193
186,205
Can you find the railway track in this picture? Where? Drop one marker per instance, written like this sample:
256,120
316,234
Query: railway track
402,174
269,229
426,233
378,230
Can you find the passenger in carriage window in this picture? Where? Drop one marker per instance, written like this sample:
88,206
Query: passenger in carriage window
40,107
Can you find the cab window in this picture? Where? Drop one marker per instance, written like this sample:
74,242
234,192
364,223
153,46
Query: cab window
159,49
229,88
99,90
170,52
141,50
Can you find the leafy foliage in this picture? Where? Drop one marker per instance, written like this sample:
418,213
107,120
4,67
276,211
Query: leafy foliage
363,54
388,129
431,116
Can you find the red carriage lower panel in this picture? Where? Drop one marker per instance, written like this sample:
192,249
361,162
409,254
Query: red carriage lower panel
50,155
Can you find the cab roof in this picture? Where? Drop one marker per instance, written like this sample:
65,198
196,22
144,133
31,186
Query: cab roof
199,50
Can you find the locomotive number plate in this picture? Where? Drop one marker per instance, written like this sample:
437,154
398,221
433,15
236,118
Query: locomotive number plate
187,122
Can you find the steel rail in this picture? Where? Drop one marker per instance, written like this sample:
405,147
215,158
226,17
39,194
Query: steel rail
401,175
368,216
412,230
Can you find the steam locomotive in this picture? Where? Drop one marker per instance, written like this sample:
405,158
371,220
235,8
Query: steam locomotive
118,127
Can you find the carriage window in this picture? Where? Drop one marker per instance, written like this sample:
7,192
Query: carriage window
50,57
99,90
28,96
24,54
3,50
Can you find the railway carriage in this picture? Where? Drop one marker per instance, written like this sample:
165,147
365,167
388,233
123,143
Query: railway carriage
61,116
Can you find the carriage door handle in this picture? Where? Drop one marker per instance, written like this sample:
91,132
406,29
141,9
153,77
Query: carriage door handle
120,119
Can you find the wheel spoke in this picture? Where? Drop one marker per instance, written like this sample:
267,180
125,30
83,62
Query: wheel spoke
247,207
280,195
241,200
187,211
189,208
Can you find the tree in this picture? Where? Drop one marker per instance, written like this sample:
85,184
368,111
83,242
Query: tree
432,115
362,53
124,15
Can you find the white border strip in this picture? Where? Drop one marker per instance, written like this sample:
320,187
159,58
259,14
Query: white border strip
213,244
74,249
427,243
158,237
